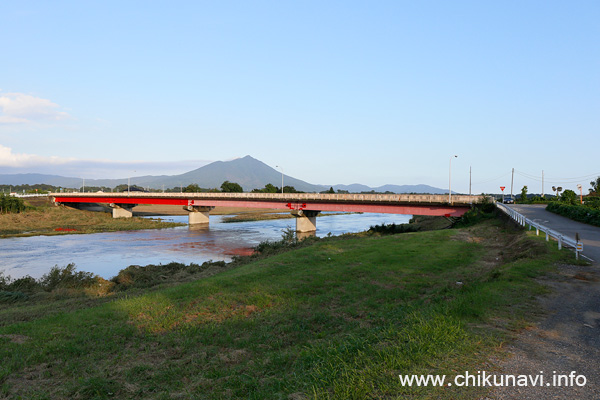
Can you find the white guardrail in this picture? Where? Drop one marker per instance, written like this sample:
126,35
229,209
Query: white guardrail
550,233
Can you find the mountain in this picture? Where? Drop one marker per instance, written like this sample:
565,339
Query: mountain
249,172
358,188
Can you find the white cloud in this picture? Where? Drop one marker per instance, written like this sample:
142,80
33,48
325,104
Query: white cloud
12,160
20,108
14,163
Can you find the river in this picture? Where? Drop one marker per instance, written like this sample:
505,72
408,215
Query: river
105,254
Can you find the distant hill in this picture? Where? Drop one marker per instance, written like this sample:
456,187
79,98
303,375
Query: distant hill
358,188
33,179
249,172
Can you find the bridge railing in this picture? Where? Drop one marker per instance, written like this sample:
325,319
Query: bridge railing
294,197
550,233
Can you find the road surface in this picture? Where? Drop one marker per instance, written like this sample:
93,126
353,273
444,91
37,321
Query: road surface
590,235
568,337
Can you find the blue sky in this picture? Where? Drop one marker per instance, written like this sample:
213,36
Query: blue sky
334,92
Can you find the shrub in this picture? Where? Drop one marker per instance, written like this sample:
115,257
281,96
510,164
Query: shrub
485,209
27,284
136,276
592,201
66,278
391,229
579,213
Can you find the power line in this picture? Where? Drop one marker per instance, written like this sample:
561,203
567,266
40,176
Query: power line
491,179
572,179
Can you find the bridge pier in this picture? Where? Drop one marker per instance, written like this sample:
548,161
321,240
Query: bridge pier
198,214
306,221
122,210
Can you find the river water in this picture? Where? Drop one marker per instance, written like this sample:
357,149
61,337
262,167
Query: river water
105,254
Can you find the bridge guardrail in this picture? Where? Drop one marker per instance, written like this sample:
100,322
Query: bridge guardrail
294,197
550,233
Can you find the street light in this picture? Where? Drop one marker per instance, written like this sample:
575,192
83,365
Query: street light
580,193
450,179
277,166
128,182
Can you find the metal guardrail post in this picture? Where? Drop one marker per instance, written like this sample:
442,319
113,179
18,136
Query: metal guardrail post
562,240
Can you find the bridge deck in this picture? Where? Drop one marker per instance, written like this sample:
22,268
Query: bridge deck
413,204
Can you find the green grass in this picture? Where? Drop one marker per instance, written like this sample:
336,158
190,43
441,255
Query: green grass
339,319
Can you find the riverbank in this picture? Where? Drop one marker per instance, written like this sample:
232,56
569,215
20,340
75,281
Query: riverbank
45,219
337,317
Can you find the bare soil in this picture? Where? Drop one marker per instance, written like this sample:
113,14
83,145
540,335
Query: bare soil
566,340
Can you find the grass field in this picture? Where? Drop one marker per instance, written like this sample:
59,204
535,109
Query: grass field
338,319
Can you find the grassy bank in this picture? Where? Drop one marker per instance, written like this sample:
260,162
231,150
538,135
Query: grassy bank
45,219
339,318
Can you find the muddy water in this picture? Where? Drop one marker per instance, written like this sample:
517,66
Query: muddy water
107,253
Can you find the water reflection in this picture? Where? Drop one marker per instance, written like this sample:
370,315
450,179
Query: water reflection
107,253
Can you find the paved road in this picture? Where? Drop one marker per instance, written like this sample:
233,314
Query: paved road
568,338
590,235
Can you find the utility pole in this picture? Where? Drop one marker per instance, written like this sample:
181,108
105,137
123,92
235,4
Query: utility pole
511,183
470,170
542,183
450,179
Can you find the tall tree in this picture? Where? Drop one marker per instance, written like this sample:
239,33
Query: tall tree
569,197
231,187
595,190
192,188
524,194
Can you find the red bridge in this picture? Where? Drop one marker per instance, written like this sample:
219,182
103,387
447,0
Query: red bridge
305,206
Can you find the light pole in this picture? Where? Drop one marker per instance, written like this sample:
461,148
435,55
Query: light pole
450,179
580,193
277,166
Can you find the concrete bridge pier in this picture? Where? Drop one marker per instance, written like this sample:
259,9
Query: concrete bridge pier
306,221
122,210
198,214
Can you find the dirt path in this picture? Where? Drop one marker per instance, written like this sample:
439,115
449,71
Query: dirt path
568,338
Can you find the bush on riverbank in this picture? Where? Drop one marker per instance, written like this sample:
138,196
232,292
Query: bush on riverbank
65,279
418,223
67,282
581,213
136,276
